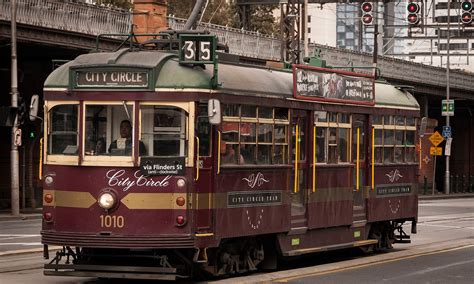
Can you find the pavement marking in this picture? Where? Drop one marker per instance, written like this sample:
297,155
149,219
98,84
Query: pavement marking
26,251
447,226
339,269
429,270
21,244
20,235
11,237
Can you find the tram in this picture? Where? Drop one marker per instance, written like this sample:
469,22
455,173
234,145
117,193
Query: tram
163,165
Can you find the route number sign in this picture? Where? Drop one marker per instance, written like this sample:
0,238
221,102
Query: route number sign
436,138
197,49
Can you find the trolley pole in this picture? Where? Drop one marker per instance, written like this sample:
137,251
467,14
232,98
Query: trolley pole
14,157
446,174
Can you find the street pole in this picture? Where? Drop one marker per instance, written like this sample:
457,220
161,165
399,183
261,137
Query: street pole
305,29
376,33
446,174
14,159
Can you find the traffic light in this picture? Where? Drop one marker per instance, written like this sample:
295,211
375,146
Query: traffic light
413,13
367,13
466,14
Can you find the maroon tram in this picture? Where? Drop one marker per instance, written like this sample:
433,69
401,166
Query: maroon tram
157,166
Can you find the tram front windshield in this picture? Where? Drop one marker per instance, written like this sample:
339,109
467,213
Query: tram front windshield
109,130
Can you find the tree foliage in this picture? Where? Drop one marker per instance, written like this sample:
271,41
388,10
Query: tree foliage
222,12
124,4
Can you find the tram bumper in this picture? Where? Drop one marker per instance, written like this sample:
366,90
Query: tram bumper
109,271
68,262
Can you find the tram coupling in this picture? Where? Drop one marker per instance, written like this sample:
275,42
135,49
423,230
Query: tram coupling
400,236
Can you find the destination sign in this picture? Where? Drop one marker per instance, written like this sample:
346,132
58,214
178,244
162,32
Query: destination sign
252,198
109,78
393,189
326,85
162,166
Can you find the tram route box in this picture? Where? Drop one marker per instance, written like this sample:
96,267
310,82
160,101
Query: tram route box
162,166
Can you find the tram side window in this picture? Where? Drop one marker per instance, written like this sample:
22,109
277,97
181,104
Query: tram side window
109,130
63,130
332,138
254,135
394,139
164,131
203,130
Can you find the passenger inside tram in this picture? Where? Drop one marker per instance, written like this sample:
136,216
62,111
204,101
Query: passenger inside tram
100,147
123,145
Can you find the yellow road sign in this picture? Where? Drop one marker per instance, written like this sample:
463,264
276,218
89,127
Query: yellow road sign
436,138
436,151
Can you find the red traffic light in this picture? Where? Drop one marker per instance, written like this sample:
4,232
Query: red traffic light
367,19
413,7
413,19
366,7
466,18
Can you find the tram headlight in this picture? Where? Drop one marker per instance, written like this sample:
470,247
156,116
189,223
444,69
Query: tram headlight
48,180
107,200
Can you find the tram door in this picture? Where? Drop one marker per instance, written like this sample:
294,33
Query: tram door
359,158
299,194
203,177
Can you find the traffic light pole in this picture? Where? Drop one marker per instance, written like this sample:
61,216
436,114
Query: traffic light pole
446,174
14,158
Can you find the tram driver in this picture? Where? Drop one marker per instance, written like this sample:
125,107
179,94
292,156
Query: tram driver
123,145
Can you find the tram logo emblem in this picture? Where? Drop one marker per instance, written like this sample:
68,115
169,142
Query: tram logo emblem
256,180
394,176
118,178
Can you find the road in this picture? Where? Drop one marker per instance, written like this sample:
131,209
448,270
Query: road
20,234
443,225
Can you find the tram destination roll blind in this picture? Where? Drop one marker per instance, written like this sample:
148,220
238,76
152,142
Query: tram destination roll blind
111,78
319,85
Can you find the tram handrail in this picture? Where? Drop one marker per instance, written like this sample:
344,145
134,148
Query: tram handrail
373,158
218,152
40,167
197,159
295,187
314,158
357,159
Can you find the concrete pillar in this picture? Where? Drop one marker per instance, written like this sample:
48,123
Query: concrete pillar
149,16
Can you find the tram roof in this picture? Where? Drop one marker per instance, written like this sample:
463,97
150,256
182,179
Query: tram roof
234,79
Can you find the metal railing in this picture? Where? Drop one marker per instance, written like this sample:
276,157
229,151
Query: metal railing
69,16
239,41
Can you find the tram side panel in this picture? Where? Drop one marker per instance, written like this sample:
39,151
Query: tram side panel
252,201
331,201
395,194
